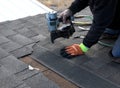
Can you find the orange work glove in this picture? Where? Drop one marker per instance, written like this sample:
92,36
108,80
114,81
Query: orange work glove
73,50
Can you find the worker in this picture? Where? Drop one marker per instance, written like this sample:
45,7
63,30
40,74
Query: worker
106,17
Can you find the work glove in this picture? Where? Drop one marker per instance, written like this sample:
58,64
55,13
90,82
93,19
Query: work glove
65,14
73,50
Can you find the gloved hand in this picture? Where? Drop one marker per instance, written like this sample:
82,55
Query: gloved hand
65,14
73,50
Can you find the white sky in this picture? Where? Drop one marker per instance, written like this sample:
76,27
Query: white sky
15,9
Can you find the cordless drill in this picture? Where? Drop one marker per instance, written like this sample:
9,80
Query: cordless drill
53,26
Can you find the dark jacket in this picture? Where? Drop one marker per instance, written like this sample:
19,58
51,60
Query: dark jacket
106,14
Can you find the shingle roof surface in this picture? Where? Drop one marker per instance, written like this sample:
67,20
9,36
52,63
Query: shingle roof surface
16,40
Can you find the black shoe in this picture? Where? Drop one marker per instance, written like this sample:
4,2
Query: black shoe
114,59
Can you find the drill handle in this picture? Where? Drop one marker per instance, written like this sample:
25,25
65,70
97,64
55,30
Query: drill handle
68,18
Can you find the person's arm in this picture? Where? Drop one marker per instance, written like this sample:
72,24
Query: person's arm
103,13
78,5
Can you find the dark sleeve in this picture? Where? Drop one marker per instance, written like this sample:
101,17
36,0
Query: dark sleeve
103,13
78,5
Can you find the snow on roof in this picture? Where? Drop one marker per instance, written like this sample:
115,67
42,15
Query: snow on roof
15,9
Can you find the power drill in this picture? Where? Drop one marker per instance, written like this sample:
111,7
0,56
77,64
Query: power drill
53,26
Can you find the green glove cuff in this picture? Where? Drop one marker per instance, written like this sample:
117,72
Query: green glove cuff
84,48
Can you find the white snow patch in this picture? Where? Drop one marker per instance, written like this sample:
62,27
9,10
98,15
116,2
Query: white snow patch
15,9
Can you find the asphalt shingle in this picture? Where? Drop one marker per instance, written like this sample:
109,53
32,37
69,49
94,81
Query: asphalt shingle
10,46
24,51
26,32
3,39
115,78
12,64
23,86
16,40
78,74
7,32
20,39
40,81
3,53
26,74
4,73
17,24
10,82
39,37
